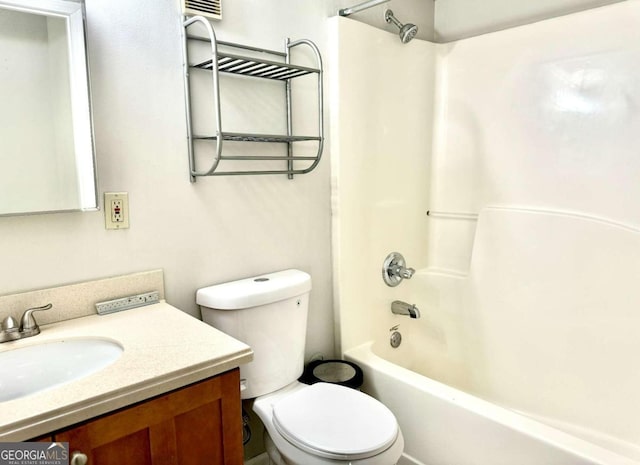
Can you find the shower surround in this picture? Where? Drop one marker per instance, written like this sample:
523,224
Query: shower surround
523,146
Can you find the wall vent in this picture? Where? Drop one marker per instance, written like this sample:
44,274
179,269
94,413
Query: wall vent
208,8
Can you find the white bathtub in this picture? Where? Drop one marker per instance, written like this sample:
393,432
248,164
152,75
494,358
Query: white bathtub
445,426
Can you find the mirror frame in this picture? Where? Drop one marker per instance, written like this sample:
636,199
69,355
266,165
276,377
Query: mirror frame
73,12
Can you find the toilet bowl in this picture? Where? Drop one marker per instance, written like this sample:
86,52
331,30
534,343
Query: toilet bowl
327,424
318,424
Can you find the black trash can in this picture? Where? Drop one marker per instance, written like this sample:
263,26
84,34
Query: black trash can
339,372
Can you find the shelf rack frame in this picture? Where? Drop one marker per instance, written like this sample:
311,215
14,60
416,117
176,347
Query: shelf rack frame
257,67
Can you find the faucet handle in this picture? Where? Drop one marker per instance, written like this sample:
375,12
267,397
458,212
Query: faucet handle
9,325
28,323
394,269
9,330
406,273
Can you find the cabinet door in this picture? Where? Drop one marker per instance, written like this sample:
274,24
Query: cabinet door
198,424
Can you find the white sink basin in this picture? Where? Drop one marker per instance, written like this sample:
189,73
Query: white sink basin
34,368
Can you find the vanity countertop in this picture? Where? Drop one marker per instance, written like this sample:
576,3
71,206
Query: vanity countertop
164,349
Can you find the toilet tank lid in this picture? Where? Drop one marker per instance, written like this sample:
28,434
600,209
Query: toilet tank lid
255,291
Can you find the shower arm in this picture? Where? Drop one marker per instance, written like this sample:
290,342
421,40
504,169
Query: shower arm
389,17
360,7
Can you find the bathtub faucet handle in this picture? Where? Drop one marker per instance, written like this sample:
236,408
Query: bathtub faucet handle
406,273
394,269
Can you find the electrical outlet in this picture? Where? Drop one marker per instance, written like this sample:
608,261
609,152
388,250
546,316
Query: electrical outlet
116,210
125,303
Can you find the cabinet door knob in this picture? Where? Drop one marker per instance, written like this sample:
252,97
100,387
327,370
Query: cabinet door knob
78,458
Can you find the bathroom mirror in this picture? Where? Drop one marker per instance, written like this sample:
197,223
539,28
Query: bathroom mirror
47,161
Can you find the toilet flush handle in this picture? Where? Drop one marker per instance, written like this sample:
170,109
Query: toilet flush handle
78,458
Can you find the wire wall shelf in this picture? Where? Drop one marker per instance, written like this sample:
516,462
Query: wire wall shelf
277,67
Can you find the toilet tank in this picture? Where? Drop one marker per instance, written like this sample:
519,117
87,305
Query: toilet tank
268,313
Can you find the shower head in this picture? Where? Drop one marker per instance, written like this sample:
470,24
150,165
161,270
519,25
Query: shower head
407,31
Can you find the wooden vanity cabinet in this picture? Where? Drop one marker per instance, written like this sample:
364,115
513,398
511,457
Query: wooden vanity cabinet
195,425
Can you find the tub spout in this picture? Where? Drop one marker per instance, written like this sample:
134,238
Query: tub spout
402,308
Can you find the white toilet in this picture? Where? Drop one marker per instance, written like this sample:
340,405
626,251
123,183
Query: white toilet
317,424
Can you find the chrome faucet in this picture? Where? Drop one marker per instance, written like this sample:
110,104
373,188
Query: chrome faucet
10,331
394,269
402,308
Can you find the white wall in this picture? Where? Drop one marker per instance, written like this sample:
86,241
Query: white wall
537,116
381,121
529,258
215,230
537,133
456,19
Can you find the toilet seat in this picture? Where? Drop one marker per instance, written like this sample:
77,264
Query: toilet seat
335,422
